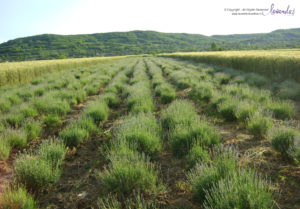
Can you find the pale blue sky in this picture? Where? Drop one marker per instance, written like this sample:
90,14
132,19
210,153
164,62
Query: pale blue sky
20,18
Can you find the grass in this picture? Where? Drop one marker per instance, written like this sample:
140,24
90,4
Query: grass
17,199
241,189
259,124
127,174
202,92
52,120
178,112
111,99
22,72
97,110
48,105
52,151
15,137
281,109
244,110
73,135
5,148
38,171
227,109
142,132
268,63
183,137
197,155
205,175
34,173
166,92
33,129
287,142
288,90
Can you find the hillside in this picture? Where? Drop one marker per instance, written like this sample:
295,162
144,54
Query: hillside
50,46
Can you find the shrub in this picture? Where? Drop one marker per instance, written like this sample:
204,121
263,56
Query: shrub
289,90
129,174
15,137
53,152
14,119
17,199
141,131
111,99
202,178
86,123
92,90
48,105
184,137
165,92
25,94
197,155
14,99
202,92
227,109
73,135
281,109
34,173
52,120
244,110
287,142
222,78
218,97
5,149
28,111
241,189
98,111
33,129
259,124
4,105
254,79
178,112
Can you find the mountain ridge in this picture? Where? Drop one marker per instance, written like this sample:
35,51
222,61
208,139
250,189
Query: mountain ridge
52,46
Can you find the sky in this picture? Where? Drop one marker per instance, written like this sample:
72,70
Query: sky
21,18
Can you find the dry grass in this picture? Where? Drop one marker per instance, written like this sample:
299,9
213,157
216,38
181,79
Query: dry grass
21,72
284,63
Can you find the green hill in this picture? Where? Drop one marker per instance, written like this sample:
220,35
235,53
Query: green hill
50,46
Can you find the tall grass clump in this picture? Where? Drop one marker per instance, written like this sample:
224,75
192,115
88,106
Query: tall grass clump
5,148
203,91
129,173
15,137
197,155
142,132
166,93
97,110
281,109
244,110
288,90
287,142
259,124
205,175
73,135
241,189
183,137
36,171
177,113
111,99
48,105
33,129
227,109
17,198
52,151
